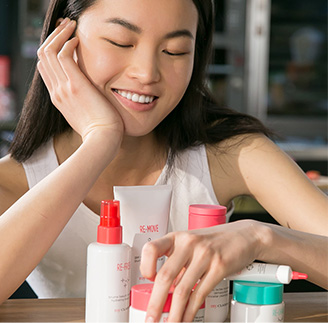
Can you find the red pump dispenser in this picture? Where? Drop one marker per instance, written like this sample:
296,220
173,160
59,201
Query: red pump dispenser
110,229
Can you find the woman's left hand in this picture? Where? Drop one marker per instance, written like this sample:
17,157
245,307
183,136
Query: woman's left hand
203,257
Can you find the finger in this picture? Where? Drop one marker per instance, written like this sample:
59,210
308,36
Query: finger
52,50
203,288
56,31
67,61
163,282
153,250
44,76
179,277
184,289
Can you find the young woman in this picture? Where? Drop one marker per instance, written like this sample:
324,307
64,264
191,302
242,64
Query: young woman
119,97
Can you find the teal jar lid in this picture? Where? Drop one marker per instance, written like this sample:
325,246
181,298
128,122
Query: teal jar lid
257,293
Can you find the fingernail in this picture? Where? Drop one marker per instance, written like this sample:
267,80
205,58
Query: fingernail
150,319
65,21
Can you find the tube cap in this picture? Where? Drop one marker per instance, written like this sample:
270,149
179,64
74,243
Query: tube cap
296,275
257,293
109,229
206,215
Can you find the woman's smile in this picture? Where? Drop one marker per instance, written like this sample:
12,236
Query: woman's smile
135,101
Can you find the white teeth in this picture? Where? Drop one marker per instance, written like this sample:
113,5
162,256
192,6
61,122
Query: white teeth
142,99
136,97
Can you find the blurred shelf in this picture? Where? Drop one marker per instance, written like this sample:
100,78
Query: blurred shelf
7,125
218,69
305,151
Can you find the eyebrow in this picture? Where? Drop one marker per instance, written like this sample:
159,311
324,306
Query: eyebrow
138,30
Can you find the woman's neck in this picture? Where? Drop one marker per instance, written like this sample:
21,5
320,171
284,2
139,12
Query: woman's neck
139,161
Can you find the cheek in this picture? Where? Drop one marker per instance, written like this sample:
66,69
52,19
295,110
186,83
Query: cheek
179,76
99,66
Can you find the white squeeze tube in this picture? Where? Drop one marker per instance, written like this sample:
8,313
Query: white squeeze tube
108,270
145,215
268,273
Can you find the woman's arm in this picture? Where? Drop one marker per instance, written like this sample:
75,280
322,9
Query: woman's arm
270,176
302,251
251,166
255,166
30,226
206,256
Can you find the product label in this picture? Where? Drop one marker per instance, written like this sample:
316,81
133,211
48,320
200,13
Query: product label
241,312
217,303
108,283
139,241
149,228
123,266
145,214
278,314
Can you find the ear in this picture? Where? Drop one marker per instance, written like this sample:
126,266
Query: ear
59,21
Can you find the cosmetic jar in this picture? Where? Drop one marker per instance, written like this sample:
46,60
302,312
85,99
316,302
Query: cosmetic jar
140,295
217,301
257,302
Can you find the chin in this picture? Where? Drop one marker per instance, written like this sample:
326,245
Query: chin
136,133
135,127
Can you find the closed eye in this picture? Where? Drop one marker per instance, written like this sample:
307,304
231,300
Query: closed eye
174,54
117,44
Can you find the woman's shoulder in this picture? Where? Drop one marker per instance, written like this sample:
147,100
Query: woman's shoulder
240,147
232,160
242,143
13,182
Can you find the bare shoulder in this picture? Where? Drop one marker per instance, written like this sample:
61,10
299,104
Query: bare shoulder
254,165
13,182
227,159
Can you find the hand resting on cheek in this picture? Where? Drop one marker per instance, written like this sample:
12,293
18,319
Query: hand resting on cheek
82,105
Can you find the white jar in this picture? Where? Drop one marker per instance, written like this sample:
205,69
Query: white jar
140,295
257,302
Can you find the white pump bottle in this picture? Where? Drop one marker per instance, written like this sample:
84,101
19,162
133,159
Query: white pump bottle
108,270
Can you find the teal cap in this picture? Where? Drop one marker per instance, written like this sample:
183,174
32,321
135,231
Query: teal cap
256,293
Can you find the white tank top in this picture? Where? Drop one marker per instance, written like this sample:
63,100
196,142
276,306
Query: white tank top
61,272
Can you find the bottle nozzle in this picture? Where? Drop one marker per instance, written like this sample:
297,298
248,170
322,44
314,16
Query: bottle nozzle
110,214
109,229
296,275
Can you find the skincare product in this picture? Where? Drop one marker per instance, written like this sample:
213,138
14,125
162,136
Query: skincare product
145,215
108,270
257,302
217,302
140,295
269,273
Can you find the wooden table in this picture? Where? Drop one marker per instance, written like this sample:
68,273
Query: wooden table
300,307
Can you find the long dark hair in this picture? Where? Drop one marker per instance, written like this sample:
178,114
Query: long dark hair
197,119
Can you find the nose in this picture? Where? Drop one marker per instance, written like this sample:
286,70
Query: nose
144,66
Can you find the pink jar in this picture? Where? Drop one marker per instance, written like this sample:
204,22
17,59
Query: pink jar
140,295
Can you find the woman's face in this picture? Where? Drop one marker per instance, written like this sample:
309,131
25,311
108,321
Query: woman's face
139,54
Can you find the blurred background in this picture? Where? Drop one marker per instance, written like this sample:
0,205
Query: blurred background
269,60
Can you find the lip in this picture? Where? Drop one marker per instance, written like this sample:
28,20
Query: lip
136,106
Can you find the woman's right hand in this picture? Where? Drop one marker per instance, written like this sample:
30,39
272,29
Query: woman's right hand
80,102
